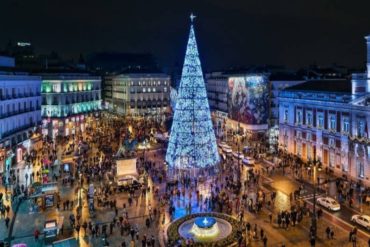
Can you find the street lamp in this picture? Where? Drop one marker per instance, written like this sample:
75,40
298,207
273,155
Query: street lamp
79,193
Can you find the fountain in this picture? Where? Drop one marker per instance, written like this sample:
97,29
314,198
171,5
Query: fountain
205,228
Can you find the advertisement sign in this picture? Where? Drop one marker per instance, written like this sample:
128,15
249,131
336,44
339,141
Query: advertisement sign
49,200
248,99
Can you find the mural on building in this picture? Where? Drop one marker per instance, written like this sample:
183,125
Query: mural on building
248,99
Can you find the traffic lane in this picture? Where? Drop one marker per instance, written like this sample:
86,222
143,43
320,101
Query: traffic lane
342,218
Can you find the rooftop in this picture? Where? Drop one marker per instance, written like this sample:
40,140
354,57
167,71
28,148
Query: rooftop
335,85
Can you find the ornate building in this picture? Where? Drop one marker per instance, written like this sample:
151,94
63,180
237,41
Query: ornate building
69,102
324,120
137,94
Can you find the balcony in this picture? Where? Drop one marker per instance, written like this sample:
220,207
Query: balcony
21,111
16,130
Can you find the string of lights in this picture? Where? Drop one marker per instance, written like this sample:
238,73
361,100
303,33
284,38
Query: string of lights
192,142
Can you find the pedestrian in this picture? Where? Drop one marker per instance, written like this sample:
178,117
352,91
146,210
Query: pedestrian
354,240
7,222
331,233
147,222
265,241
84,226
327,232
36,235
313,241
78,230
270,216
152,241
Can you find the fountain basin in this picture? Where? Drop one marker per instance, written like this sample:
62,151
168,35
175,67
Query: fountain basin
205,228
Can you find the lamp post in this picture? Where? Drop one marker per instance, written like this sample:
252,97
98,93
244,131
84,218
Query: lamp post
80,194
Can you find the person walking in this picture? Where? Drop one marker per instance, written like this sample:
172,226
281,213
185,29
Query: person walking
354,240
7,219
36,234
265,241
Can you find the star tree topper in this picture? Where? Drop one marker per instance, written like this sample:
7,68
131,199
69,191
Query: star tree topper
192,17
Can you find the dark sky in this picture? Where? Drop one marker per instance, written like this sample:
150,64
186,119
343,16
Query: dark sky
229,32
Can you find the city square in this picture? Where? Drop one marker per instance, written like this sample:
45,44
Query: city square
112,150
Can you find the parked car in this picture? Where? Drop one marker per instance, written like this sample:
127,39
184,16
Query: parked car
329,203
363,220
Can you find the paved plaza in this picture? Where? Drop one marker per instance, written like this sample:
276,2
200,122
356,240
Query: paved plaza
121,218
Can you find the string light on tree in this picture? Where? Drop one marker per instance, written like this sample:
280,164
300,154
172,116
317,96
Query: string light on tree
192,142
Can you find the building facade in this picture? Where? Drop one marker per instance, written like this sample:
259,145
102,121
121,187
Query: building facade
329,121
20,108
239,103
144,95
323,120
70,101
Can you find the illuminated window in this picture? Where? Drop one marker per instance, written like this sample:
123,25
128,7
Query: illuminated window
361,169
56,88
299,149
309,151
320,121
331,159
309,137
153,89
144,89
165,89
361,128
299,117
286,115
309,118
345,125
332,123
331,142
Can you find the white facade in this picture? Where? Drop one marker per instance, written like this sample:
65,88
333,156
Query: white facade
20,104
138,94
276,87
20,107
329,127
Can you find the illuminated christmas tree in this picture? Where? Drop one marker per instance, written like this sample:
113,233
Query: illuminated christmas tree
192,142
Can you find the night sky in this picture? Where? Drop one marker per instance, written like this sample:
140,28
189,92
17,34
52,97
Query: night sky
229,32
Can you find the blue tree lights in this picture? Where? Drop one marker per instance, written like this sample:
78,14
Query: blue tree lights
192,142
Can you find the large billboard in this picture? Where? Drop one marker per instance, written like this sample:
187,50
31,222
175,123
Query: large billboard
248,99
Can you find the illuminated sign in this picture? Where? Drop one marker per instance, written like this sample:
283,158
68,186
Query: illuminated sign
248,99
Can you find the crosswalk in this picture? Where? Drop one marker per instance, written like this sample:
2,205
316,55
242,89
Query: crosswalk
310,196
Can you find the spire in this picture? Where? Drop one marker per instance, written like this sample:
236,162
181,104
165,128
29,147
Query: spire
192,141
